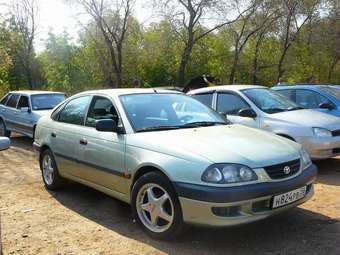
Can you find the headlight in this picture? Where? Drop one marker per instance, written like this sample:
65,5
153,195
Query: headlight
322,132
228,173
305,159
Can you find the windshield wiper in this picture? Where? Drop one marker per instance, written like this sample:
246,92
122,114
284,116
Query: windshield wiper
157,128
295,108
275,110
203,124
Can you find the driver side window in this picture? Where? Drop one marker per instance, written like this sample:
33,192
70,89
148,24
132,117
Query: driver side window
230,104
310,99
100,108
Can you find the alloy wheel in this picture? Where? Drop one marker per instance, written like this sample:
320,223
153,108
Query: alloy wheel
155,208
48,170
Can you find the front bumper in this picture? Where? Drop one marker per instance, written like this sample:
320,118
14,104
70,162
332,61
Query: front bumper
321,148
227,206
36,149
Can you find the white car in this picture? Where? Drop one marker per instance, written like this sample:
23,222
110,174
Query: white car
260,107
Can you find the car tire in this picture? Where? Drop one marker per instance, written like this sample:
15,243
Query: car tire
49,171
3,129
164,202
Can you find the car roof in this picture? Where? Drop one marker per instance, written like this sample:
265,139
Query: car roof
128,91
225,87
34,92
302,86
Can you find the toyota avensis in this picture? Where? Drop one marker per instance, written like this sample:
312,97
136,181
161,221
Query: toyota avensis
172,158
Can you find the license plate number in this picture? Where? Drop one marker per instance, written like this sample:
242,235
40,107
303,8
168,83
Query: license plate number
289,197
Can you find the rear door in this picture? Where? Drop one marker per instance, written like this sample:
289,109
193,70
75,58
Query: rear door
102,154
65,136
3,107
230,103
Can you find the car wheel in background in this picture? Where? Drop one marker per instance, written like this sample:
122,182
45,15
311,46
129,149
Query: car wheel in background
155,206
49,170
3,129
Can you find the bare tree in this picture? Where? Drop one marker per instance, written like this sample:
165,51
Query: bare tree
296,14
112,19
24,15
249,23
187,17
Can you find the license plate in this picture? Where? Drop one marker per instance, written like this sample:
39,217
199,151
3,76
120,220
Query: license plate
289,197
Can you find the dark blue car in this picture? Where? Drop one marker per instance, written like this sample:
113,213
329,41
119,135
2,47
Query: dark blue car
323,98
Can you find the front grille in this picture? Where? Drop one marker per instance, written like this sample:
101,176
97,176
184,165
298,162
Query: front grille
278,171
336,132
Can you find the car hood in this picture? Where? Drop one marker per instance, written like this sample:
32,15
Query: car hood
309,118
220,144
41,113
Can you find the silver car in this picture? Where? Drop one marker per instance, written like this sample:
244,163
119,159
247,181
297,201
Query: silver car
4,143
21,110
259,107
172,158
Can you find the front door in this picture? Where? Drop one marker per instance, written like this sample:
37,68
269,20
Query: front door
102,153
229,104
24,116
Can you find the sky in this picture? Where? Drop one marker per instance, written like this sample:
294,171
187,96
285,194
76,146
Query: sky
58,16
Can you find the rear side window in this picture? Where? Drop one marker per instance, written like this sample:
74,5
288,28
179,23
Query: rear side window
230,104
74,112
13,100
204,98
4,99
23,102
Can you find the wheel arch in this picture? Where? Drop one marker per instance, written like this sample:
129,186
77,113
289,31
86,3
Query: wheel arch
147,169
286,136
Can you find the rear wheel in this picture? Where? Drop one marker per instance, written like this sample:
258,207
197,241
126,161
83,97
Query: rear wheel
3,129
49,170
156,207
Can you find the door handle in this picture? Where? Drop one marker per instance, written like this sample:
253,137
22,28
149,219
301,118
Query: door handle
53,134
83,141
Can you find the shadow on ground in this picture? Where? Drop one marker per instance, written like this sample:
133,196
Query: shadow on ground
298,231
329,171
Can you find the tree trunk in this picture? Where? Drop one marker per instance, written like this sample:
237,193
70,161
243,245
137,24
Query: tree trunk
184,61
234,68
334,62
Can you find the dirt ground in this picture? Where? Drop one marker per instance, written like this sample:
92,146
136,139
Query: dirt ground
79,220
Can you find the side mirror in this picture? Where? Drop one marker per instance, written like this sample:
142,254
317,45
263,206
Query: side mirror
4,143
249,113
108,125
328,106
25,109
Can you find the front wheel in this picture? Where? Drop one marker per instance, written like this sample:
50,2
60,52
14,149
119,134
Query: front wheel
49,170
155,206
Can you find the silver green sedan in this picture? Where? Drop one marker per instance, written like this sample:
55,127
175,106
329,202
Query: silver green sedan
172,158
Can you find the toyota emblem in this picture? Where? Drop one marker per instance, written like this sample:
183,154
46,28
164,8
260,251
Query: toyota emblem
286,169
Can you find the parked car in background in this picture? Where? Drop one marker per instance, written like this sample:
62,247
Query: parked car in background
172,158
4,143
263,108
323,98
21,110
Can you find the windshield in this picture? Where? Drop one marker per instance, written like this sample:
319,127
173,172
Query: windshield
46,101
270,101
149,112
332,91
